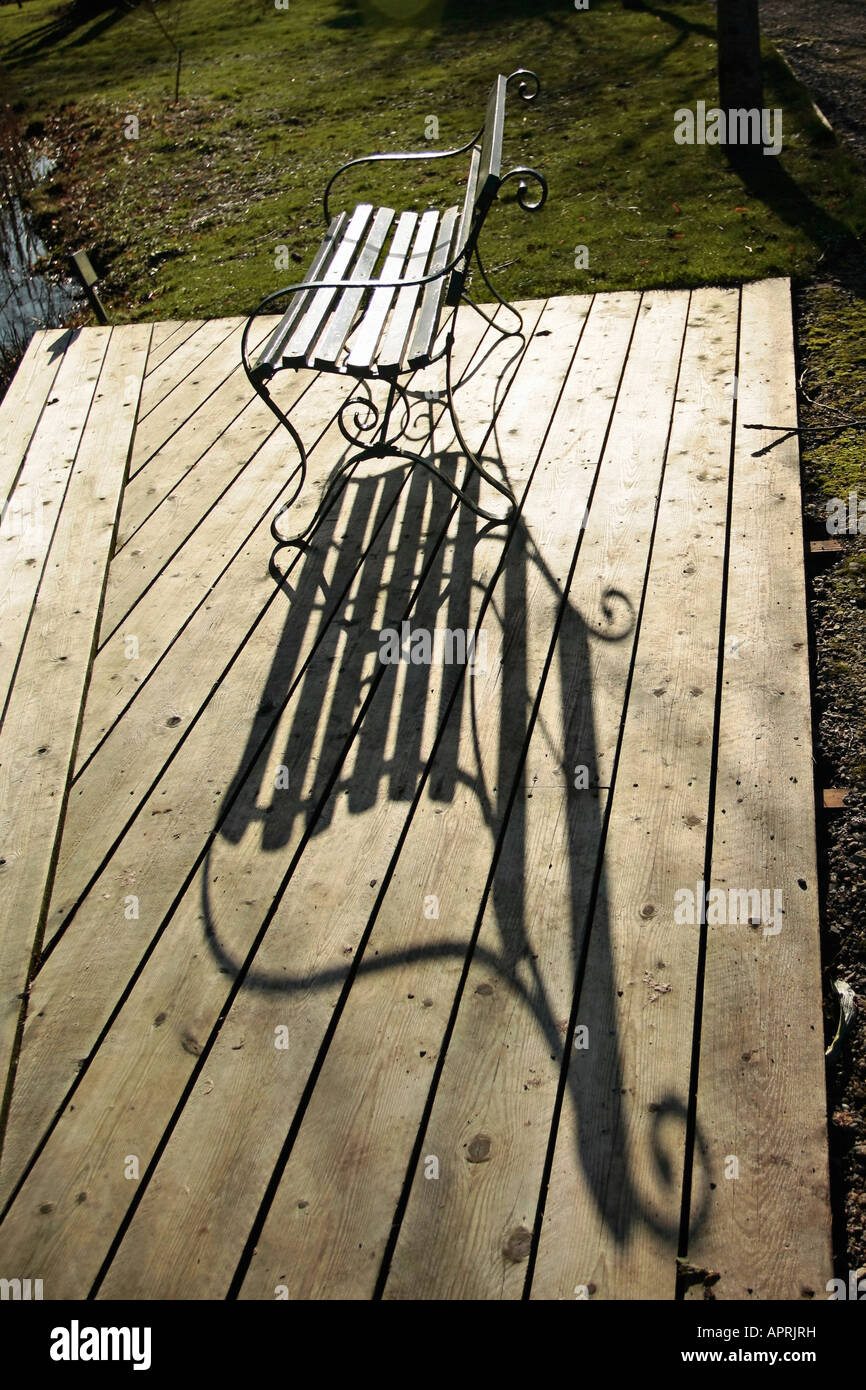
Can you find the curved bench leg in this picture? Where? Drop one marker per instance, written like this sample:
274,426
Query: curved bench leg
472,457
336,483
506,332
384,447
262,392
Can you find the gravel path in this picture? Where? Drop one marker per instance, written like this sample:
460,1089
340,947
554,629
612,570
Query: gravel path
825,43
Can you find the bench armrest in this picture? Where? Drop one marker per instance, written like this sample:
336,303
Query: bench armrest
381,158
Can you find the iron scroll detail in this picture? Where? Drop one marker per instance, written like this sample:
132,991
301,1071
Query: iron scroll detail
522,173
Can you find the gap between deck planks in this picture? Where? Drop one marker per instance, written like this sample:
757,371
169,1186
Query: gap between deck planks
559,1200
611,1217
500,1076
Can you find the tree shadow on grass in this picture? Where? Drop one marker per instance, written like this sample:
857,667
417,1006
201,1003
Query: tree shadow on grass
88,19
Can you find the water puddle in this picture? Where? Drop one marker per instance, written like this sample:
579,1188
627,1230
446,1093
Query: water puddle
28,300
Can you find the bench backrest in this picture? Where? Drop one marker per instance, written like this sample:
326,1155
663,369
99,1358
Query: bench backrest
485,169
491,146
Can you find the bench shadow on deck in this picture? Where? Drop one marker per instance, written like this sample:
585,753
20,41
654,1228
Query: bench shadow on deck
375,777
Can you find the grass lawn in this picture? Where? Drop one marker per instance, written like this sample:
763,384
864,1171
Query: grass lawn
186,218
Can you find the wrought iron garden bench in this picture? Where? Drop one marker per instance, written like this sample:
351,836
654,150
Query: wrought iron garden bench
374,309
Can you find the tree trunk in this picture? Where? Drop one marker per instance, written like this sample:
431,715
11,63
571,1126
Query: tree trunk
739,36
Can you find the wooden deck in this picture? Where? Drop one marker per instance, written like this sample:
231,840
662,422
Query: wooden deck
348,979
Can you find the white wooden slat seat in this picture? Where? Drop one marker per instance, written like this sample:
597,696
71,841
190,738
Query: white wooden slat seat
319,324
380,289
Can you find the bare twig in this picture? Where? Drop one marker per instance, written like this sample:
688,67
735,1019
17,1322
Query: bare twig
150,6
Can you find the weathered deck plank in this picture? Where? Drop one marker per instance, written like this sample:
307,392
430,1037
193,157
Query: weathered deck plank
39,488
499,1075
160,833
84,453
194,355
300,939
167,335
21,408
216,395
612,1211
198,904
761,1164
390,1032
